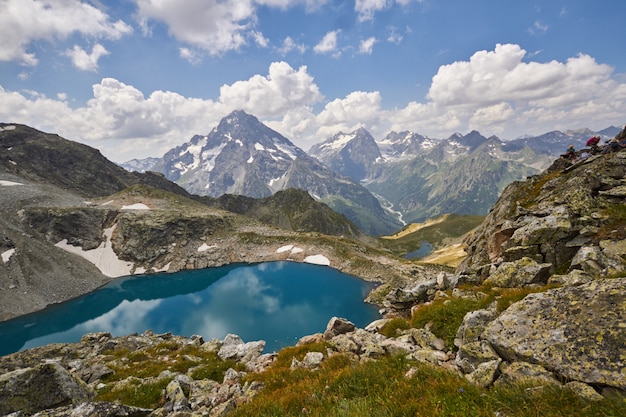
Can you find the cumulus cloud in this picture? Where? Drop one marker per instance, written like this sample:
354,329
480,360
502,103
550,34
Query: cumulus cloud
328,44
366,46
495,92
357,109
55,20
86,61
212,25
289,44
366,9
273,95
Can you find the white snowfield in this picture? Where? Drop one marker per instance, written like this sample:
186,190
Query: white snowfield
312,259
102,257
9,183
6,255
137,206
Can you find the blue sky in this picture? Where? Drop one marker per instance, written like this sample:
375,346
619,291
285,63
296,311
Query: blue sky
135,78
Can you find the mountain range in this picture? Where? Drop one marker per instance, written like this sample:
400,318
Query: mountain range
533,310
378,185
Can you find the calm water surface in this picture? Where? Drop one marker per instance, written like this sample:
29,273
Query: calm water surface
278,302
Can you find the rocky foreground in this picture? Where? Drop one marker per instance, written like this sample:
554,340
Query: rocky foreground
561,235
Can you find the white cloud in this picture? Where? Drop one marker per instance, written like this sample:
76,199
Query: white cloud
25,21
358,109
273,95
290,45
538,28
86,61
367,8
328,44
259,39
212,25
494,92
476,91
366,46
191,55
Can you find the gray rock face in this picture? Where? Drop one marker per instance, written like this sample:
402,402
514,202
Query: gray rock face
43,386
557,218
576,332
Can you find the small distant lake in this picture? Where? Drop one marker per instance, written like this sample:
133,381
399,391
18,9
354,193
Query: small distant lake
278,302
425,249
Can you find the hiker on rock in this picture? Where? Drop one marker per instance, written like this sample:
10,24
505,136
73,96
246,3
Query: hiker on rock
570,153
592,143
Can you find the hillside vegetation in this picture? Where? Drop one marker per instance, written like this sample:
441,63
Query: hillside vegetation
531,323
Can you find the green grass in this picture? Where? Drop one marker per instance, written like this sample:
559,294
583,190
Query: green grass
344,386
130,366
382,388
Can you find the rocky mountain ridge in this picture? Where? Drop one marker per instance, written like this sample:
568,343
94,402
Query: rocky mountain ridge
242,156
379,185
560,235
121,223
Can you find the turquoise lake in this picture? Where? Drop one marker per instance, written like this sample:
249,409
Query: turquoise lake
278,302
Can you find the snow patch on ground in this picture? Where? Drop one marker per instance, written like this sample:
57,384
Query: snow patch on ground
317,260
204,247
6,255
102,257
137,206
286,248
9,183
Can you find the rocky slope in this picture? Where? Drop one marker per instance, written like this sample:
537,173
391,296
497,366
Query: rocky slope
60,199
245,157
560,235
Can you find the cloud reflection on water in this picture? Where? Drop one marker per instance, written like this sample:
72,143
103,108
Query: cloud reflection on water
278,302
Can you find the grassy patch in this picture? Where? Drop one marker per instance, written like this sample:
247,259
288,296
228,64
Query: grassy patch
531,190
382,388
137,394
148,363
615,226
444,317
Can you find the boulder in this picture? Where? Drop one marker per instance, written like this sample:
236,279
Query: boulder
525,373
44,386
485,373
234,348
337,326
473,324
518,273
472,354
576,332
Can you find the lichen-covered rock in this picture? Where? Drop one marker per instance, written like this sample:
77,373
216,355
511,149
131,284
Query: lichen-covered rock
485,373
95,409
471,355
519,273
525,373
44,386
576,332
426,339
551,215
235,348
337,326
584,391
474,323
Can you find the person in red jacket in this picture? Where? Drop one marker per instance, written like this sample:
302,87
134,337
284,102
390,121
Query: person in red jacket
592,143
